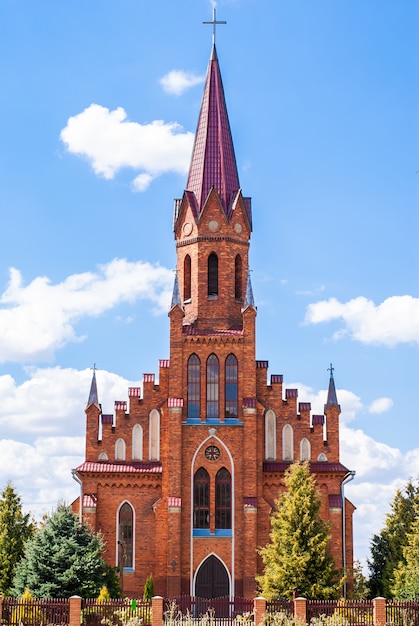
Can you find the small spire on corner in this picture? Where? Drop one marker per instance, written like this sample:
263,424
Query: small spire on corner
249,299
93,397
176,294
331,394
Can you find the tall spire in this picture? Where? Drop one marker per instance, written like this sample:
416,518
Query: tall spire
213,162
331,394
249,299
93,397
176,294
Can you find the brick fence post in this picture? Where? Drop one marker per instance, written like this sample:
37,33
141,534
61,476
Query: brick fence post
75,611
379,611
157,609
259,610
300,610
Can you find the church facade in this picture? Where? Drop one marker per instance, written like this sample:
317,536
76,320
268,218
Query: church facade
181,479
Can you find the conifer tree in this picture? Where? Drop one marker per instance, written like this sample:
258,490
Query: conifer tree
297,555
406,576
15,529
64,558
387,547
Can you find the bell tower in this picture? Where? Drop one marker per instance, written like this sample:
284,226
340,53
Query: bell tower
212,222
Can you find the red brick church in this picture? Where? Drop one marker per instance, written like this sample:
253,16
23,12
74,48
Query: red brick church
182,478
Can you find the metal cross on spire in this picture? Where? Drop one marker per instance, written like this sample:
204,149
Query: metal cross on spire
214,23
331,369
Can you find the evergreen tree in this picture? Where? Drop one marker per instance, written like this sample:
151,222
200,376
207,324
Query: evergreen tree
15,529
297,555
406,576
64,558
148,592
387,547
361,589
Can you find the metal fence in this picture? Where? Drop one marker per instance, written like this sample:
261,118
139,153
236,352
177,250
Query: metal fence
402,612
278,606
115,612
224,610
34,612
353,612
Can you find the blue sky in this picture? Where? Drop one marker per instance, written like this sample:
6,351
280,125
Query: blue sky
99,104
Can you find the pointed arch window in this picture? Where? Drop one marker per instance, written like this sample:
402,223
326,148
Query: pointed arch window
126,536
305,449
194,386
187,278
212,386
287,443
231,386
137,443
223,499
238,278
154,444
213,274
270,435
120,450
201,490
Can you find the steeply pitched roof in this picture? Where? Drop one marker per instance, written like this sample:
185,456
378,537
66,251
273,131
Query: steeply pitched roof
331,394
93,397
213,162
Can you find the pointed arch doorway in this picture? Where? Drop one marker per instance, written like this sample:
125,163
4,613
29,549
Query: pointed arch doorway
212,580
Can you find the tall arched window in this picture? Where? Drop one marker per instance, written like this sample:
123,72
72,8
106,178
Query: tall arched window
194,386
231,392
187,278
137,443
270,435
154,425
223,499
305,450
212,386
238,279
126,536
213,274
120,450
201,499
287,443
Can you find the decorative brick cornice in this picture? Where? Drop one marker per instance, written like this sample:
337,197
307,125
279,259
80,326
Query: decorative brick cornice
120,405
175,403
262,364
164,363
276,379
192,240
317,419
291,393
148,378
134,392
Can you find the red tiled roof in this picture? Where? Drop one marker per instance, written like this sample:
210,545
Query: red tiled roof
89,500
335,501
125,468
317,467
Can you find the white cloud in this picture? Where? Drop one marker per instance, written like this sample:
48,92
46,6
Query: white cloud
380,405
51,401
47,410
38,318
110,143
394,321
178,81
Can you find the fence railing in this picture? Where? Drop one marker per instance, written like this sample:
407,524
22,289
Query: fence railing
353,612
115,612
224,607
34,612
403,612
279,606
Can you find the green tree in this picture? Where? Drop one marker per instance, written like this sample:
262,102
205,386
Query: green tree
64,558
148,592
387,547
361,589
406,576
15,529
297,555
